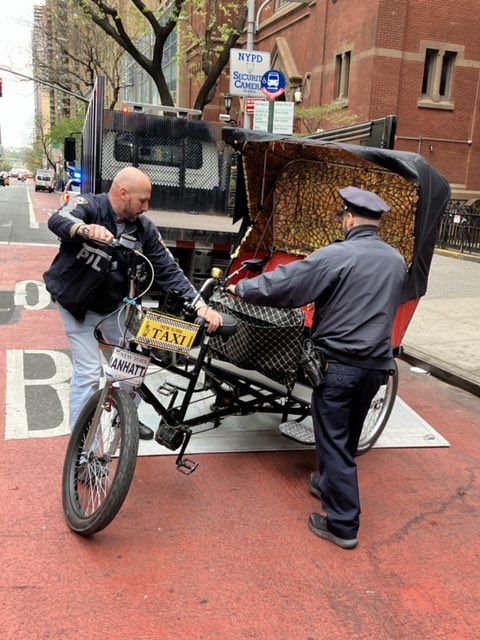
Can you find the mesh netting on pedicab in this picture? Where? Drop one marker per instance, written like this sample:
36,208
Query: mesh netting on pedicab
267,340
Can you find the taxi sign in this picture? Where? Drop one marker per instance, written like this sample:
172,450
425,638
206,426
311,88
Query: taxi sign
164,332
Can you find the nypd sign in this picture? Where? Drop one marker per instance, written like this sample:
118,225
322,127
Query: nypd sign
247,69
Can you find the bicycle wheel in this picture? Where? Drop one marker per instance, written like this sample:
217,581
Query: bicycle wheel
378,414
99,465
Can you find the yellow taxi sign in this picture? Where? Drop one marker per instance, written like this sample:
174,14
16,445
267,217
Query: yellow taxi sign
164,332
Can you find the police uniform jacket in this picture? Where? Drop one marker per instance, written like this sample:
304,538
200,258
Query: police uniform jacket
356,286
86,276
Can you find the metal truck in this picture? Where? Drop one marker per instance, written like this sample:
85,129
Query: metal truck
189,167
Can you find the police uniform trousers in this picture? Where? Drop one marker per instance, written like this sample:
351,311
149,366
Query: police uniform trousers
339,407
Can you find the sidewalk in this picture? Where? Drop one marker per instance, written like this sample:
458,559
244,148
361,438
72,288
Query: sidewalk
444,334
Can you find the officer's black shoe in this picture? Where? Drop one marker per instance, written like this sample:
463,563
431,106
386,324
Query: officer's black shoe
311,485
319,526
145,432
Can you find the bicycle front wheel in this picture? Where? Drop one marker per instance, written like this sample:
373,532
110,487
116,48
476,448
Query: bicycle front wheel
100,461
378,414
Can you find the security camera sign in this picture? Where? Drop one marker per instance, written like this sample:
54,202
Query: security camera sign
247,69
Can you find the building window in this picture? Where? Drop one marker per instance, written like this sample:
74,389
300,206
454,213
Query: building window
446,76
138,85
437,82
342,75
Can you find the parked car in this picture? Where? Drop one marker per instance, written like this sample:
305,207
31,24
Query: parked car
44,180
72,188
3,181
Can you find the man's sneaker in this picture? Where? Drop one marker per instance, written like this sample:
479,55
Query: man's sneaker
318,525
145,432
311,485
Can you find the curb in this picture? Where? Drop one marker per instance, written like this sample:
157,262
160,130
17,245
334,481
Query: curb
438,369
449,253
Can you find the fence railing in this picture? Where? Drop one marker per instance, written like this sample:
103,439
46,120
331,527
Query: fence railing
460,228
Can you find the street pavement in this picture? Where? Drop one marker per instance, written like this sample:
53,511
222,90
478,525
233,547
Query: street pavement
225,554
443,337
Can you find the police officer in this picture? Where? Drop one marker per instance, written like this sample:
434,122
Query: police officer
87,290
356,286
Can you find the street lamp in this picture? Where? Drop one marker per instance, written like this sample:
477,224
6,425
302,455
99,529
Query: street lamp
297,95
228,99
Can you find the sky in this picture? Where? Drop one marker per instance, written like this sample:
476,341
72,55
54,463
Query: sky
16,105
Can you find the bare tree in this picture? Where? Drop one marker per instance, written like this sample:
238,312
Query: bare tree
75,51
43,141
212,29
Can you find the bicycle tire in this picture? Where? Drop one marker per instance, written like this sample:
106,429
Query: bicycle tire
379,413
95,484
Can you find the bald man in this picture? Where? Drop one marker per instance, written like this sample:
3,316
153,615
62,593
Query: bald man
87,284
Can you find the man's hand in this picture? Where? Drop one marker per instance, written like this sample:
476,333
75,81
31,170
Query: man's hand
213,318
232,289
95,232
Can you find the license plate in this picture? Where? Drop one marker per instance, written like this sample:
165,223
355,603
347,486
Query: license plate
162,332
128,367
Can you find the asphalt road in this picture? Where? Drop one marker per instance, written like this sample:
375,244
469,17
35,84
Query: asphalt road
225,553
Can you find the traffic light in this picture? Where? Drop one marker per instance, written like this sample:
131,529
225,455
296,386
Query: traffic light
1,87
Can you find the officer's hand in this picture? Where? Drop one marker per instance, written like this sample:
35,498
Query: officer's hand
96,232
213,318
232,290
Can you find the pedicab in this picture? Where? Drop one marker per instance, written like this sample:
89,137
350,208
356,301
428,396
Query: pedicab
286,198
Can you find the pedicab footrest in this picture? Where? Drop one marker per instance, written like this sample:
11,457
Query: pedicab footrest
267,340
297,431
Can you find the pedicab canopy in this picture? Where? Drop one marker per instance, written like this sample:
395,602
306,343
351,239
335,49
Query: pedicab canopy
287,196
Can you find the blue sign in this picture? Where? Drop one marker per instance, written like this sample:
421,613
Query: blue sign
273,84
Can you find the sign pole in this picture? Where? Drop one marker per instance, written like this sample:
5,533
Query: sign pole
271,107
247,119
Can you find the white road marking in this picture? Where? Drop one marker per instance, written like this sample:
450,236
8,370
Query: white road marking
33,223
30,244
16,419
44,298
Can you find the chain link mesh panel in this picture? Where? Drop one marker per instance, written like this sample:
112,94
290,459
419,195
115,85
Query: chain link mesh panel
267,340
187,162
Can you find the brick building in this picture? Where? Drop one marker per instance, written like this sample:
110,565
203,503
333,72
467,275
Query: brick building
417,59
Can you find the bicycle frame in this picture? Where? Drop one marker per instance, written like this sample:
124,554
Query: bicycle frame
248,395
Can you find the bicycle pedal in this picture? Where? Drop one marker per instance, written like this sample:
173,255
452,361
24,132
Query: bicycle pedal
166,389
297,431
186,466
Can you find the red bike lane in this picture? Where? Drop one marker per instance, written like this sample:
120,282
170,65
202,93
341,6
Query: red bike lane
225,553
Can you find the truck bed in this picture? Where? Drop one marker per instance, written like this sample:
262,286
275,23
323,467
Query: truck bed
194,230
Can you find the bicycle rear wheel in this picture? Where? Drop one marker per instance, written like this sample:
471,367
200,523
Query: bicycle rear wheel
378,414
99,464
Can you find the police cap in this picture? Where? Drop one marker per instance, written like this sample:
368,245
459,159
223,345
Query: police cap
363,203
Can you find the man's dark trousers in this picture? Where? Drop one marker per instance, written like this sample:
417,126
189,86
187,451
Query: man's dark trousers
339,408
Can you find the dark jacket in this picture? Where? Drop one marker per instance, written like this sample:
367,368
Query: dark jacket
86,276
356,286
